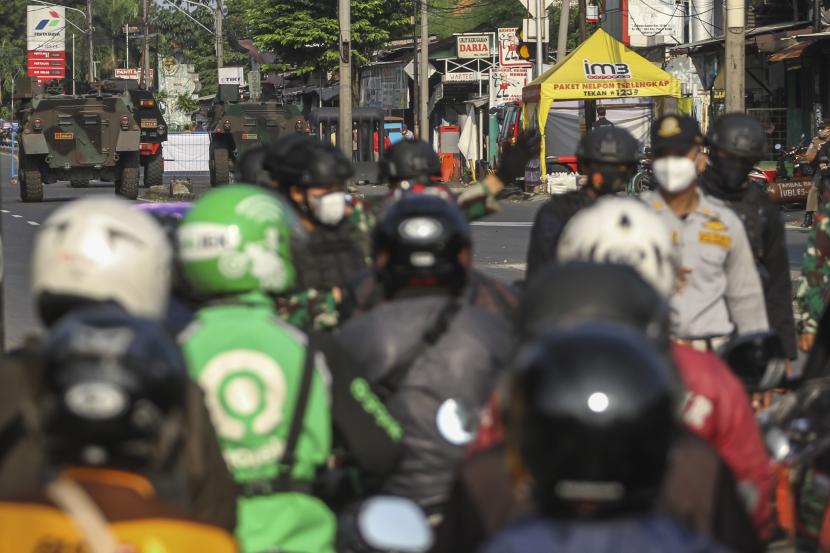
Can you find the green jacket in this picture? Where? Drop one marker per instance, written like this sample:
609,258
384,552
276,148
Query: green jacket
250,366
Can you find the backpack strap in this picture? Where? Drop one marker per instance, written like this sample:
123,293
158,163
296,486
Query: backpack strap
389,384
76,503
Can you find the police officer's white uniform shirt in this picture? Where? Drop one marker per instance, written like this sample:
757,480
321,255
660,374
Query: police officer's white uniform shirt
723,292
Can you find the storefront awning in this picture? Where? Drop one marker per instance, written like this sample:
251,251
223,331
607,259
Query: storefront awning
793,51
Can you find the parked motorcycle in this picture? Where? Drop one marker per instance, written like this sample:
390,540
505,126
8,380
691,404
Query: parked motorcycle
643,179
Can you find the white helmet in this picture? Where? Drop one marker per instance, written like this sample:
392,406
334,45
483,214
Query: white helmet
102,249
625,231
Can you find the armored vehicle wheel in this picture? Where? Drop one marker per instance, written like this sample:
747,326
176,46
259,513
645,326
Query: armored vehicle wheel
79,183
127,181
221,165
154,171
30,181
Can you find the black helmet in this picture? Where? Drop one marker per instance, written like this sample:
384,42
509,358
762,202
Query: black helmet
410,160
593,415
422,236
738,134
304,161
608,144
565,295
113,385
250,168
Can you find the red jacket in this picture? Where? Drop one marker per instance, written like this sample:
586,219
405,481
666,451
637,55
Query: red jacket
719,410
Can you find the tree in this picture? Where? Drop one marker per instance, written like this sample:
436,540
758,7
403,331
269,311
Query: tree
457,16
304,33
12,45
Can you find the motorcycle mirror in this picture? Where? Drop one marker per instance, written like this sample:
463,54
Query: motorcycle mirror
758,359
778,146
389,523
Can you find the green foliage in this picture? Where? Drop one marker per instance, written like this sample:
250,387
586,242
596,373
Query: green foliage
304,33
186,104
458,16
12,45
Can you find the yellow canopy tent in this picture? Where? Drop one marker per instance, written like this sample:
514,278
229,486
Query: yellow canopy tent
599,68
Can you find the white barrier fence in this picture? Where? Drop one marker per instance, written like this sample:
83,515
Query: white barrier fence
187,153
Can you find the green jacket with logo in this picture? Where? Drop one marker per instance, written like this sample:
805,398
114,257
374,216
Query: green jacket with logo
250,366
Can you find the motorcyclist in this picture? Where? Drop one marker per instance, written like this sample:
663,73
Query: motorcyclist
736,143
103,251
412,167
432,356
112,406
699,488
275,401
717,408
312,175
611,401
608,157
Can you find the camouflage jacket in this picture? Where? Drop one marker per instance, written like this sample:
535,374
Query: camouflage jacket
814,285
318,309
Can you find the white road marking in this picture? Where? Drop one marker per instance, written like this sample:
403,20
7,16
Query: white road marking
33,223
503,224
16,216
5,211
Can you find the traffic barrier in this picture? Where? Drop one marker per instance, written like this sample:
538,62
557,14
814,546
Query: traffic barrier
187,153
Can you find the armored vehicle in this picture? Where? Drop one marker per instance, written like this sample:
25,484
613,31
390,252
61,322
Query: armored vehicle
76,138
237,124
149,117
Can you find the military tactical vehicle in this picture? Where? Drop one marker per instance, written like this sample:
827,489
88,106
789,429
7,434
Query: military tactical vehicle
76,138
148,116
237,124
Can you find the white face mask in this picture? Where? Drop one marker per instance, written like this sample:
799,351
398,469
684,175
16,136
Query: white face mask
674,173
330,208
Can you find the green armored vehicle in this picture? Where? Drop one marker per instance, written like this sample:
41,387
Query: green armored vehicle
237,124
76,138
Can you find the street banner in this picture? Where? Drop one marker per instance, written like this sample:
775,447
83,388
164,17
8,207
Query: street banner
654,21
473,46
507,83
509,48
131,73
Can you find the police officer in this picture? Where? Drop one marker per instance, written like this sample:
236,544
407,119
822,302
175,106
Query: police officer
718,291
608,157
111,404
592,419
736,142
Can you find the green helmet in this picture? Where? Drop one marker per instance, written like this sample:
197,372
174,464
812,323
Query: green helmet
237,239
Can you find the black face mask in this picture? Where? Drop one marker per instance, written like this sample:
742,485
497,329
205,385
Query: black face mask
733,172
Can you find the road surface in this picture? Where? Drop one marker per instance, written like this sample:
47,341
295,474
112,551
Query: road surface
500,241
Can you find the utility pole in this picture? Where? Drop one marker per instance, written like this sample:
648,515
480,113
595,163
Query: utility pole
735,55
220,54
816,15
127,45
416,82
583,31
89,37
73,63
562,38
344,122
424,75
146,81
540,35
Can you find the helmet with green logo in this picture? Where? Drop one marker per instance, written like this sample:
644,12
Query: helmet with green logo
237,239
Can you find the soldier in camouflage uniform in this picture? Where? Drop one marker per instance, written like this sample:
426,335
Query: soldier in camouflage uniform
814,284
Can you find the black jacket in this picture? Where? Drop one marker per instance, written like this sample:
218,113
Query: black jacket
548,225
765,230
449,379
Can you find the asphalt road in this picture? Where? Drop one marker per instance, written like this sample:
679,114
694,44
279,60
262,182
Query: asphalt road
500,241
